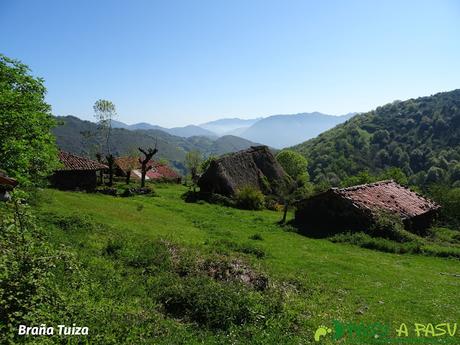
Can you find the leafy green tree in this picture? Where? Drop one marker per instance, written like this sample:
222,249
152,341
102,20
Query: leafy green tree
105,112
193,160
395,174
295,166
28,150
434,175
361,178
207,162
293,163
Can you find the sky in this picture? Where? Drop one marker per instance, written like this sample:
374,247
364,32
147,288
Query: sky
174,63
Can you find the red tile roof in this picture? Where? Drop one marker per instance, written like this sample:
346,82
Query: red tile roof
165,171
74,162
389,196
127,163
158,172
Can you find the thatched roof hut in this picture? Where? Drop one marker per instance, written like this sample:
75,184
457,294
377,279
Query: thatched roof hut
255,167
356,208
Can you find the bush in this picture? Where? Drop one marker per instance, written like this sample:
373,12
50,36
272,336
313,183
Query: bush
249,198
210,303
382,244
449,199
28,294
390,226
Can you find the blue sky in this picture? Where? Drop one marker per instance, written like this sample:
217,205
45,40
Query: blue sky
179,62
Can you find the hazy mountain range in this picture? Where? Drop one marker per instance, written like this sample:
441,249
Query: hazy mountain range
276,131
80,137
187,131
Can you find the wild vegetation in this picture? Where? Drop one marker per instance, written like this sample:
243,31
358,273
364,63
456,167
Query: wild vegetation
27,147
156,269
419,136
175,272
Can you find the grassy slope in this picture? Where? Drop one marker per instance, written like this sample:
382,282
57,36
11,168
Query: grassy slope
343,281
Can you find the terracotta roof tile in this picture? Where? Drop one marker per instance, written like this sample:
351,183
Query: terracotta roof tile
74,162
159,170
390,196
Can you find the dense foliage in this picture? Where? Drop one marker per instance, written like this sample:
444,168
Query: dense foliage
293,163
27,147
420,136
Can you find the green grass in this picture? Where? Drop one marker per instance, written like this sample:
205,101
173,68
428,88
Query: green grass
319,280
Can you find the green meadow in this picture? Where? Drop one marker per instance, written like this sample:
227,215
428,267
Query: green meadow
144,268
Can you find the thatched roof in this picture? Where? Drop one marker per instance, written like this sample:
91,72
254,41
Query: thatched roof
255,167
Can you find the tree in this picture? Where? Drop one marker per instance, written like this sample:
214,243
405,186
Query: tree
105,112
145,162
295,165
395,174
28,149
193,161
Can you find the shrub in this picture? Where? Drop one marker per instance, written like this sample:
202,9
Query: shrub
28,294
249,198
210,303
382,244
449,199
390,226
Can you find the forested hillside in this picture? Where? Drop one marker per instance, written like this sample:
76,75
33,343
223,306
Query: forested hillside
80,137
421,136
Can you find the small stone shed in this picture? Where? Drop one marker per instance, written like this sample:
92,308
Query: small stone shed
255,167
160,172
76,173
355,208
6,185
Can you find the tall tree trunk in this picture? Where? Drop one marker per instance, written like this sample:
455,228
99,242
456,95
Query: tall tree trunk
145,163
144,172
285,210
101,172
128,177
110,163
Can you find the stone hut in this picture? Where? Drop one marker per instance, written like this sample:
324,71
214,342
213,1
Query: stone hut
255,167
356,208
76,173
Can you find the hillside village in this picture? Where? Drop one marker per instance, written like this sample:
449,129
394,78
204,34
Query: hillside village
143,234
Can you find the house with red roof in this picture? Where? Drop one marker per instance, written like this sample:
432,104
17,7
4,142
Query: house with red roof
357,208
76,172
160,172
